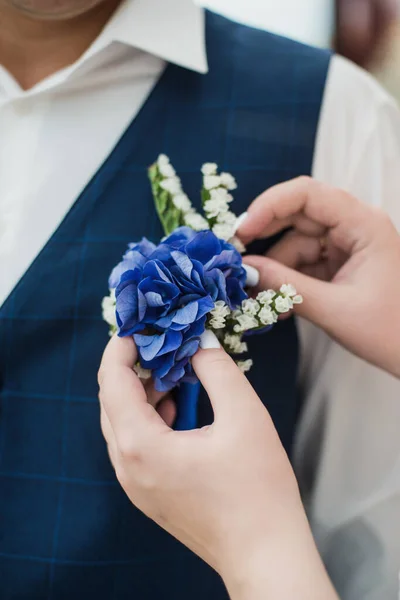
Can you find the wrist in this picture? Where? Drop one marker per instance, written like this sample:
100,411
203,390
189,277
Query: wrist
283,566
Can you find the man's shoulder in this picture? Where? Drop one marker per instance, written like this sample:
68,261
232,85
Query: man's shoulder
229,39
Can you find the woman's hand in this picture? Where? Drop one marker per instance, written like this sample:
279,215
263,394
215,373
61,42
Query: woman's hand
227,491
342,256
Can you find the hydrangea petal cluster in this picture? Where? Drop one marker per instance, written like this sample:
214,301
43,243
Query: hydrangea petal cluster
164,294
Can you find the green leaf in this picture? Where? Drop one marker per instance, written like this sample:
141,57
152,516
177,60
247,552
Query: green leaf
205,195
162,199
171,219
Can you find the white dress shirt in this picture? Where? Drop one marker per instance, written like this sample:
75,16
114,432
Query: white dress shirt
308,21
55,136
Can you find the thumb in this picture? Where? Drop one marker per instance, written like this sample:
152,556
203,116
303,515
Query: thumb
318,296
228,389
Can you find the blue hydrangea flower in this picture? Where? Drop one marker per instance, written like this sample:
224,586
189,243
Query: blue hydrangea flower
164,293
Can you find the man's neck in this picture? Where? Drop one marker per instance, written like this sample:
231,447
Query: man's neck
32,50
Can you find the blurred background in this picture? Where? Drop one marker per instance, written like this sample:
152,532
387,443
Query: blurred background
366,31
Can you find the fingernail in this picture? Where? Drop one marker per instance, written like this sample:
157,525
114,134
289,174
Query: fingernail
253,276
209,340
240,220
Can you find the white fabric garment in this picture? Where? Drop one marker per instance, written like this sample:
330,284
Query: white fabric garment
55,136
308,21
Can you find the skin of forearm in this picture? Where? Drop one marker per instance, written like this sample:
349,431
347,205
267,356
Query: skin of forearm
288,568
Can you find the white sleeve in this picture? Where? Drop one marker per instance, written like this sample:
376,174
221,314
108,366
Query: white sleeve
347,452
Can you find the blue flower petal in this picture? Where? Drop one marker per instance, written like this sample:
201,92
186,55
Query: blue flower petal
205,305
187,314
155,269
150,351
183,262
203,246
172,341
142,340
154,299
188,349
180,235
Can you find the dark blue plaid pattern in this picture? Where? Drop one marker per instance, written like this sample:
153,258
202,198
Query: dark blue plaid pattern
67,531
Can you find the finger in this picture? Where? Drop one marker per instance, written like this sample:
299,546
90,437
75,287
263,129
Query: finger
108,435
295,250
154,397
167,410
305,254
123,396
228,389
326,206
320,298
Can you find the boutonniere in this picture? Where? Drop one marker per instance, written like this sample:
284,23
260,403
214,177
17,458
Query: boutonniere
166,295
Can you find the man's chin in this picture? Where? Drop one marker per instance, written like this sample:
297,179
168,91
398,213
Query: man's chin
54,9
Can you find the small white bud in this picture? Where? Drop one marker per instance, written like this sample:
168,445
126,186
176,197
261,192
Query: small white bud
245,322
288,290
266,296
209,169
108,306
250,306
167,170
162,160
196,221
283,304
211,181
171,185
182,202
223,231
267,316
228,181
245,365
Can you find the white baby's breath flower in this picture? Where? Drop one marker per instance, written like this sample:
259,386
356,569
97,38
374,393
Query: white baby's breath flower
108,310
182,202
211,181
162,160
223,231
219,313
196,221
250,306
167,170
221,194
236,243
228,181
171,185
142,373
227,217
245,322
297,299
220,308
266,296
209,169
267,316
288,290
215,207
245,365
216,323
234,344
283,304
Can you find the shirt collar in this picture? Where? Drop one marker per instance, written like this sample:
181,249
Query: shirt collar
173,30
170,29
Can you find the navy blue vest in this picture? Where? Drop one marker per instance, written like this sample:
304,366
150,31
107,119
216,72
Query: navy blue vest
67,530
